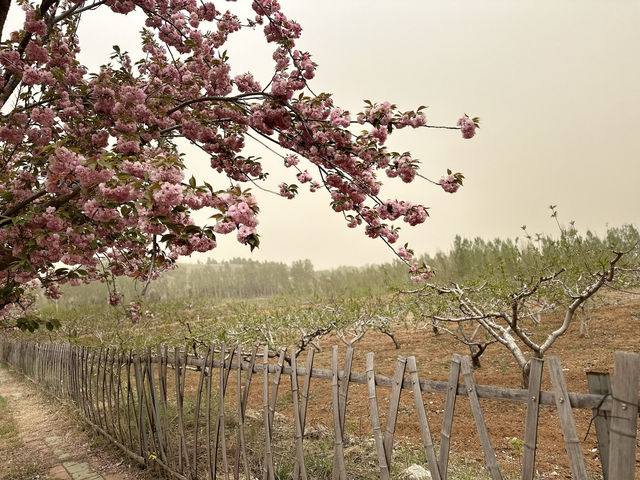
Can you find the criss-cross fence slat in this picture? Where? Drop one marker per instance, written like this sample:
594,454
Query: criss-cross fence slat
127,397
476,409
600,383
423,422
624,415
304,402
340,469
567,422
268,455
531,421
394,402
342,403
375,418
447,419
296,420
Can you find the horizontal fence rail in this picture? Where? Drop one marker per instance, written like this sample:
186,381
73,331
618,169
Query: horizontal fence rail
179,413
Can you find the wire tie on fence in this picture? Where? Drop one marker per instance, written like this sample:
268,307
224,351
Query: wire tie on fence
598,414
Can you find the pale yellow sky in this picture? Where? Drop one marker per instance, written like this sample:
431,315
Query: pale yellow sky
555,83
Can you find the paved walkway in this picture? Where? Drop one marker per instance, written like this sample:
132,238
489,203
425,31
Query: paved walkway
48,433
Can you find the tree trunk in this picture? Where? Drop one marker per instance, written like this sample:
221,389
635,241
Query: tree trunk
390,334
526,369
475,355
4,10
584,324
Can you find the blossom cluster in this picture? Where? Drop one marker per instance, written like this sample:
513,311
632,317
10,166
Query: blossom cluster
451,182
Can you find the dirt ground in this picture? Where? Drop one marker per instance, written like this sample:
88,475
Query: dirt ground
610,328
41,439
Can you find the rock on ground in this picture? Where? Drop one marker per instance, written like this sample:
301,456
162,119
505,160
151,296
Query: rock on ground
415,472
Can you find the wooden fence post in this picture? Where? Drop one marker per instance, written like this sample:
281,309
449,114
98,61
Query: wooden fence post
483,433
423,421
624,416
375,418
142,423
394,402
531,422
268,468
447,419
567,422
296,419
338,464
342,407
600,383
304,400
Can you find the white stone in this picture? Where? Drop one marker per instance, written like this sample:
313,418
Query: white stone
415,472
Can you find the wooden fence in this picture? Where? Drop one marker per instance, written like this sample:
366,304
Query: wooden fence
131,399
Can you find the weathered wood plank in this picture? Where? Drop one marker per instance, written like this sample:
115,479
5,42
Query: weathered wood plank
69,372
567,422
447,419
392,413
342,402
476,409
297,422
155,418
338,455
241,440
375,418
531,422
196,413
162,385
304,400
110,397
217,438
344,384
423,421
624,416
224,376
130,401
600,384
243,406
210,461
142,425
268,468
276,384
183,454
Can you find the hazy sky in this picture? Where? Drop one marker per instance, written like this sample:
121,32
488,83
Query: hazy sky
555,83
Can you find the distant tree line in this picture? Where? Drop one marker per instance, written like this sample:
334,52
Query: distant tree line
241,278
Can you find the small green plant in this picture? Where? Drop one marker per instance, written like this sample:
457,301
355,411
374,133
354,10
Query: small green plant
516,445
351,425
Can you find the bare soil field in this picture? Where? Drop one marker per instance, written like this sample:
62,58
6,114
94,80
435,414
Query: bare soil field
610,328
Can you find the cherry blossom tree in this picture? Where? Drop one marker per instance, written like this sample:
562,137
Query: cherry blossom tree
93,181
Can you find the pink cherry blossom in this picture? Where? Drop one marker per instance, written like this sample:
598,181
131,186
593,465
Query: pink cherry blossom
94,167
467,126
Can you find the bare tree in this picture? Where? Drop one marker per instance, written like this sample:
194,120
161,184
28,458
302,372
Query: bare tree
508,315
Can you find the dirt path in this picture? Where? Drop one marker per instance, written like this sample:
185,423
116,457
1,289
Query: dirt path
40,439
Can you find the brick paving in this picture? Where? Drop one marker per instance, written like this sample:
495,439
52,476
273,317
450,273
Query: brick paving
65,455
